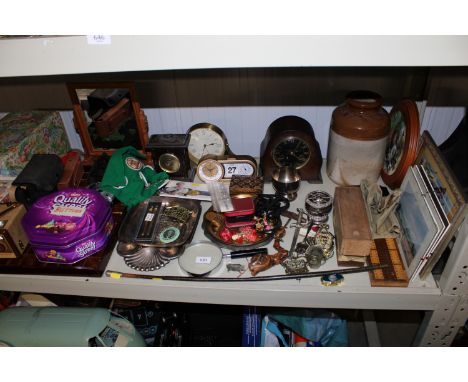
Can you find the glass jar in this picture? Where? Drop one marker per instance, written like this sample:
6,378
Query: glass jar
358,136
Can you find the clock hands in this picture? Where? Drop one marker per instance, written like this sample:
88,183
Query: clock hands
205,146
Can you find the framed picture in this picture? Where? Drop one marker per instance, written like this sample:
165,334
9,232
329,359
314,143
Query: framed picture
421,226
447,190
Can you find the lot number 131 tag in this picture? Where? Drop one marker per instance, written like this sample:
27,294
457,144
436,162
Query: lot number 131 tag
203,260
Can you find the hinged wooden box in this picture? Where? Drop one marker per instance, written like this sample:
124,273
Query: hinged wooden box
13,239
352,230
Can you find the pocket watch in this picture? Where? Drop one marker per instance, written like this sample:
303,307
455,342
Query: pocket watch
206,139
290,142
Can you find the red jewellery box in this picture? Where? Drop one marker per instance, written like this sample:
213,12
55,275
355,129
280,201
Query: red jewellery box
243,214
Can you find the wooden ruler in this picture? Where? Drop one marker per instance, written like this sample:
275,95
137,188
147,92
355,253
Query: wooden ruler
385,251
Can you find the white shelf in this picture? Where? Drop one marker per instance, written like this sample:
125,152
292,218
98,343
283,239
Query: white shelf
355,293
73,55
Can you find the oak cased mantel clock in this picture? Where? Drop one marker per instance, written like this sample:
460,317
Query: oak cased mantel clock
170,154
290,141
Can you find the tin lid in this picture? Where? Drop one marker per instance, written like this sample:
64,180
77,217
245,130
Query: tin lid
66,216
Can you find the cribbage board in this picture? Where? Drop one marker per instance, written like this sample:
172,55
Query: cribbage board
385,251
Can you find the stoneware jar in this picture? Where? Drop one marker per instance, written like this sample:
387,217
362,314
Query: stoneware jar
358,137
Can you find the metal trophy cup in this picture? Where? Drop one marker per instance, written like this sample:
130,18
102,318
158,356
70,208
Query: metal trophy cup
286,181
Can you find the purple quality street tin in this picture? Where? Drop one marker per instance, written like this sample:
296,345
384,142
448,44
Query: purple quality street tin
69,225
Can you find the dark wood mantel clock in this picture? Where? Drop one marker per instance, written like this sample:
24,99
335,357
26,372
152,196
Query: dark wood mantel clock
290,141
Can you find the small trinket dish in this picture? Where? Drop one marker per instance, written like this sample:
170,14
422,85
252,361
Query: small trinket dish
245,237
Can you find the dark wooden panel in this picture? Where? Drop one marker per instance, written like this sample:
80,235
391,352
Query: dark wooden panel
448,87
225,87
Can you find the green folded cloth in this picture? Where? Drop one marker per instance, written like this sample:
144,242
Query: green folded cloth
129,179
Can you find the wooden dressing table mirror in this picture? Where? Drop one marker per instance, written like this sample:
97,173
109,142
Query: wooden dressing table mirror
107,116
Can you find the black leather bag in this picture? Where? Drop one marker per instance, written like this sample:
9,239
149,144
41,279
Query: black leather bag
38,178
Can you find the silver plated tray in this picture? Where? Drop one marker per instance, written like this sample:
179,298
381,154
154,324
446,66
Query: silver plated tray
161,222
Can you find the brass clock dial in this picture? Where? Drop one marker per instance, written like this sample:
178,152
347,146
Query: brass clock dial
169,163
206,139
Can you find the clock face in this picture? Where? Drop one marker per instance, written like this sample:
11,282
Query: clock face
294,152
205,141
210,170
169,163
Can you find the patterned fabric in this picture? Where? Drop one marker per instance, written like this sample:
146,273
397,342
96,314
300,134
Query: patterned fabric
23,134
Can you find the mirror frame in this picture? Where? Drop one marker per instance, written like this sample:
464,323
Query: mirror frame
81,125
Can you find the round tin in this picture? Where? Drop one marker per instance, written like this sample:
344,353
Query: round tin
69,225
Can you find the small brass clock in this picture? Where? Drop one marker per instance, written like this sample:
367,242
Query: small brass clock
169,162
170,154
206,139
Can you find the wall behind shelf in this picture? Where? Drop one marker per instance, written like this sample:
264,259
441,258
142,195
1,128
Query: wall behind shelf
244,101
245,126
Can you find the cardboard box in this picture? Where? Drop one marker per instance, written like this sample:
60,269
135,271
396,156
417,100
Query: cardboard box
13,239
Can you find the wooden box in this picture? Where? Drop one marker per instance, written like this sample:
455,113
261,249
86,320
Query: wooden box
13,239
72,171
352,230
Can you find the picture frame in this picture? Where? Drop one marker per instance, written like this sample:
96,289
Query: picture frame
421,227
437,213
448,191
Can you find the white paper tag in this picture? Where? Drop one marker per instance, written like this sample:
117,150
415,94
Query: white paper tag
149,217
203,260
99,39
220,197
